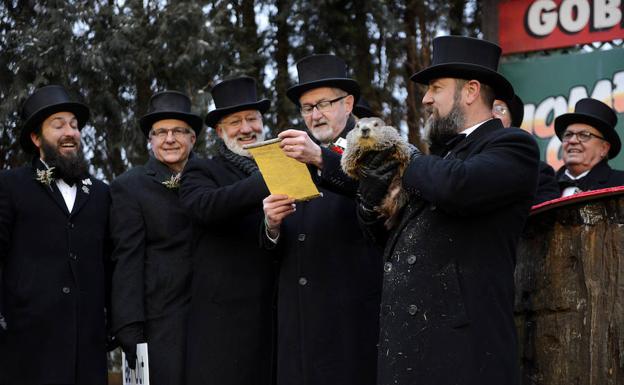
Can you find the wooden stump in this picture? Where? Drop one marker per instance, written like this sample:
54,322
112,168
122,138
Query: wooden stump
570,295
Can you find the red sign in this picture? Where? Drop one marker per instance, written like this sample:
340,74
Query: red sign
533,25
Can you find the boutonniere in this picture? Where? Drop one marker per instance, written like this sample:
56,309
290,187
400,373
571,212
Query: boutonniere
45,177
85,189
86,182
173,182
338,146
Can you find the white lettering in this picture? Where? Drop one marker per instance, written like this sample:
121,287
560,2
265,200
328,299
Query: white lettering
541,18
607,13
566,15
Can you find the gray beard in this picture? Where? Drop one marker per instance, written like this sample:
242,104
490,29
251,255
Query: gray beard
439,130
232,145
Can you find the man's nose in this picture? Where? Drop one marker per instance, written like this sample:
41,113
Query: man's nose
245,126
427,99
316,114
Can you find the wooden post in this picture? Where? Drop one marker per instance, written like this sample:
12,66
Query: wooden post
570,295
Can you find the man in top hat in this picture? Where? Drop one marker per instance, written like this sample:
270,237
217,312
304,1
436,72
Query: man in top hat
152,235
330,278
588,139
231,319
363,110
53,252
511,113
448,286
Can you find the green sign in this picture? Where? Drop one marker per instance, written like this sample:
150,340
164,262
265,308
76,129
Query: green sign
550,86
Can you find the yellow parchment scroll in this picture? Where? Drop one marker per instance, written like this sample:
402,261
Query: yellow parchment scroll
283,175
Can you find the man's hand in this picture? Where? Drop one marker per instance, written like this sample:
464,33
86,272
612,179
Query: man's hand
128,337
277,207
298,145
375,175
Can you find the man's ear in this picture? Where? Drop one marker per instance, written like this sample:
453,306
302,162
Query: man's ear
219,131
349,101
36,139
472,90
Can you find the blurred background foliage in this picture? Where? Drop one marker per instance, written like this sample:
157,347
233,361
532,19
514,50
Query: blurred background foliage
114,54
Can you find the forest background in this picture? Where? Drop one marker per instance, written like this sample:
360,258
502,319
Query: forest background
114,54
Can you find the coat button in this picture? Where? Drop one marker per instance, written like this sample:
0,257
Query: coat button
66,290
387,267
303,281
411,259
73,256
301,237
412,309
70,225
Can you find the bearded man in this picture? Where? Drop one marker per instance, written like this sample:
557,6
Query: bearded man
230,330
447,300
53,252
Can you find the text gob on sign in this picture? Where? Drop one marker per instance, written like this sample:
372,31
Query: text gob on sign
546,24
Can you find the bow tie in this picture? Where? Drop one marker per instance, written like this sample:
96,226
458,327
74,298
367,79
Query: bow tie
565,181
441,150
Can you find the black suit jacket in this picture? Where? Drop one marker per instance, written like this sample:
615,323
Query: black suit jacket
53,280
547,187
153,236
601,176
231,319
447,301
329,287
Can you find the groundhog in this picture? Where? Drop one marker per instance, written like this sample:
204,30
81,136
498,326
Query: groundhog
372,134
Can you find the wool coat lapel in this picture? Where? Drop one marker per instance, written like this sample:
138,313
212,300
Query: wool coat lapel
51,189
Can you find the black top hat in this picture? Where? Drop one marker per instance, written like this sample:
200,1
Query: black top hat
44,102
325,70
363,110
466,58
516,109
233,95
596,114
170,105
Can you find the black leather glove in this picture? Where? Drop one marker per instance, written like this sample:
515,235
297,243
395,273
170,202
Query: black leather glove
375,175
128,337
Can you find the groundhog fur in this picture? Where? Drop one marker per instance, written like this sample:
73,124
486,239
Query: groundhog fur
372,134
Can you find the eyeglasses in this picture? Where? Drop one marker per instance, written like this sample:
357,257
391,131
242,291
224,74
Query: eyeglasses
581,136
499,108
322,106
177,132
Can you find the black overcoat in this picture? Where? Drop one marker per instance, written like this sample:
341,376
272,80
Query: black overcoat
152,236
329,289
231,318
547,187
447,302
53,280
599,177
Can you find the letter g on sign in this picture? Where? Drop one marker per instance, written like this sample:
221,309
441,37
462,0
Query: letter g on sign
541,18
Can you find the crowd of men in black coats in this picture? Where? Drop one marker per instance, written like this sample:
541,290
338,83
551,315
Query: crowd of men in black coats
230,284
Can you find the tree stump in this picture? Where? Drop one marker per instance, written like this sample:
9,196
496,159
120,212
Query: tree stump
570,295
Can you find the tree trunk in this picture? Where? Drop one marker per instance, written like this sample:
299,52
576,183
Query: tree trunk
282,79
415,13
570,295
489,19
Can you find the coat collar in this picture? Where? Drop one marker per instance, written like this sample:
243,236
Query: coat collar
483,130
597,176
158,171
83,189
